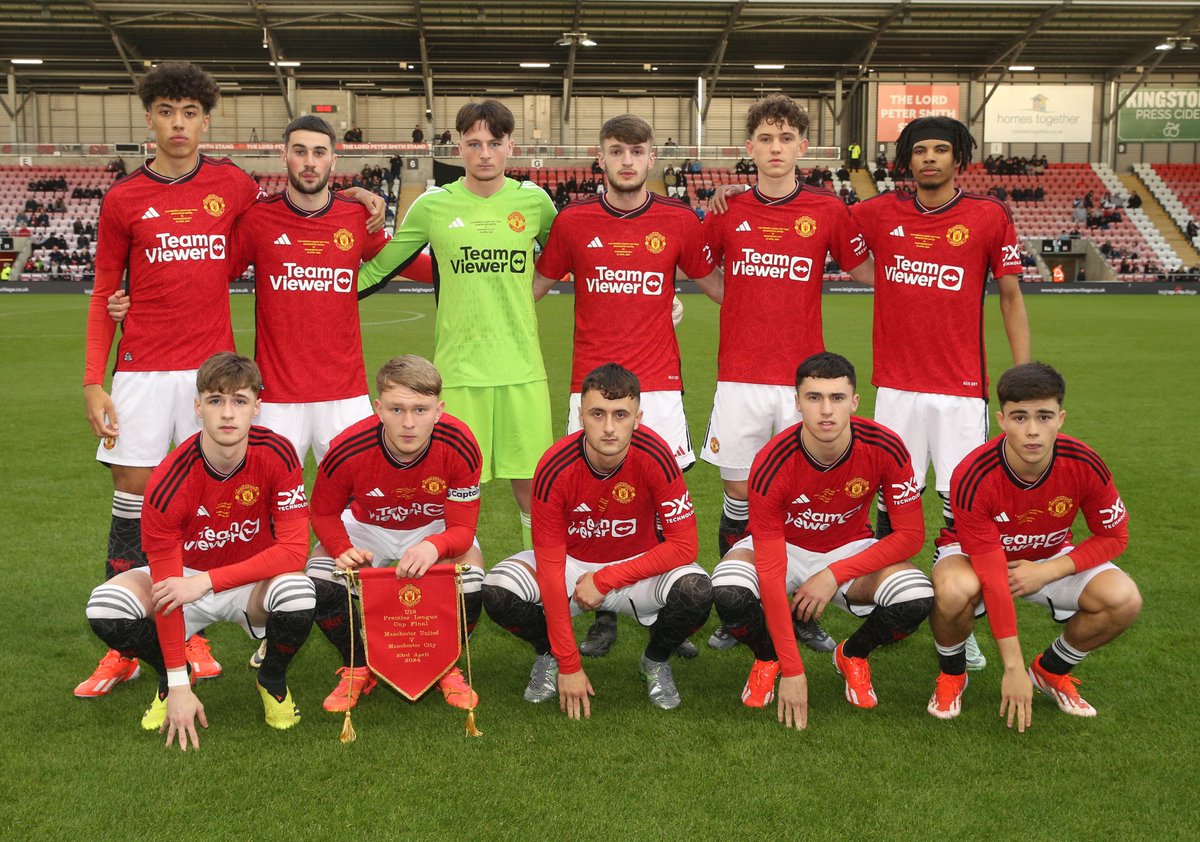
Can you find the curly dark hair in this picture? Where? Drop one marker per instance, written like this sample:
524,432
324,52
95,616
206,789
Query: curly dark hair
954,130
179,80
779,110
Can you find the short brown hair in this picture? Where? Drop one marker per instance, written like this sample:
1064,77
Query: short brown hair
412,372
491,112
178,80
612,381
627,128
226,372
778,110
1030,382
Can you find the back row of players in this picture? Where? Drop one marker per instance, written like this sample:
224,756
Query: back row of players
933,252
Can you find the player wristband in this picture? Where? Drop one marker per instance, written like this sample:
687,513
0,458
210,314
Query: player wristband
177,678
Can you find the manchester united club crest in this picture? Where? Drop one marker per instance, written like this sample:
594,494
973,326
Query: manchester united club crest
433,485
857,487
806,226
109,442
247,494
214,204
714,445
516,221
623,492
1060,506
655,242
409,596
958,235
343,239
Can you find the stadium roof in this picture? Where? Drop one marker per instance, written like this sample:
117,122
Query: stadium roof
652,46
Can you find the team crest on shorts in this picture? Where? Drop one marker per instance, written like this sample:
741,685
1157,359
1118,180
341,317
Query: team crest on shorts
1060,506
109,442
655,242
958,235
433,485
857,487
343,239
806,226
214,204
714,445
516,221
623,492
409,596
246,494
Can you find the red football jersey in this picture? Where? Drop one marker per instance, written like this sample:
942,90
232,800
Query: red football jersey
441,484
226,525
774,253
641,512
624,267
794,499
931,269
305,280
999,517
173,237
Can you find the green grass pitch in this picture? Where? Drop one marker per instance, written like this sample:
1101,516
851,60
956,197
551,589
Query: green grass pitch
711,769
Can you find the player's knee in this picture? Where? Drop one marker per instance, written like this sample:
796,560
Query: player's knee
955,585
694,590
290,593
735,604
1119,597
113,602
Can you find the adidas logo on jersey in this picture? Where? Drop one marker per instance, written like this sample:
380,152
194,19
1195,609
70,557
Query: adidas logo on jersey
375,492
898,231
1001,518
202,512
745,226
595,243
582,507
151,213
282,240
801,500
457,223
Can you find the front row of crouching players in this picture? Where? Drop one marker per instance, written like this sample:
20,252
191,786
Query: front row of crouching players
1014,500
810,493
401,486
613,529
225,529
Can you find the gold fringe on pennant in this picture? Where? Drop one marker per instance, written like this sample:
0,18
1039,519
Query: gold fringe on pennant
472,731
348,734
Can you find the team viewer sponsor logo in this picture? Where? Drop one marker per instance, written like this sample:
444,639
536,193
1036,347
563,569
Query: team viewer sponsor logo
603,528
628,281
1023,543
820,521
923,273
399,514
212,539
187,247
477,261
762,264
298,278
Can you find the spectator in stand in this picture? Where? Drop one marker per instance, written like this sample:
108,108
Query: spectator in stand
670,142
880,173
445,138
1192,230
353,135
22,219
843,174
1135,201
1039,194
418,134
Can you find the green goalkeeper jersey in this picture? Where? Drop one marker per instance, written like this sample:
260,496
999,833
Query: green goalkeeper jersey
486,330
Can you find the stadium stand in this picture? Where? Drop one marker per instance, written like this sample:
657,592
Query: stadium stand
1177,189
